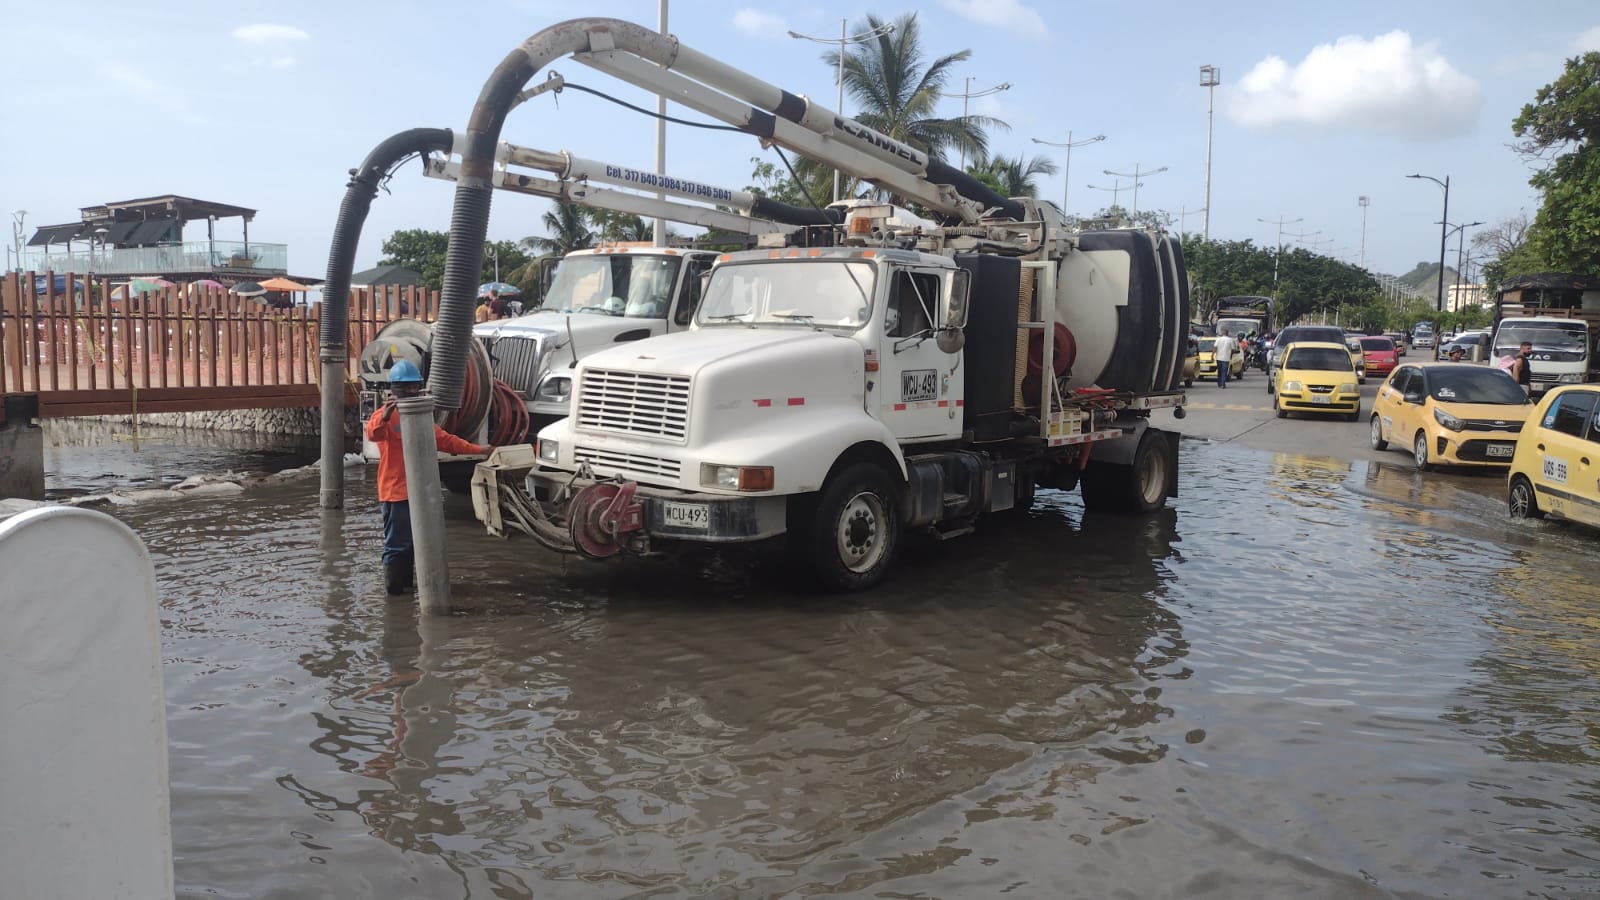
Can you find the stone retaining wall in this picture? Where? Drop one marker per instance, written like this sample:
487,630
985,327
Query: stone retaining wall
301,421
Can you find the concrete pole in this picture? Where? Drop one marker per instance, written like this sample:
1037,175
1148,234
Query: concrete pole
839,108
660,230
427,503
1205,223
332,358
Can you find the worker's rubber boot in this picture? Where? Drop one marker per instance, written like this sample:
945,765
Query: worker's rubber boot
396,577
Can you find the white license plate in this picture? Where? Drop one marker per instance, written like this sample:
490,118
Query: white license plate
1502,450
1322,400
686,515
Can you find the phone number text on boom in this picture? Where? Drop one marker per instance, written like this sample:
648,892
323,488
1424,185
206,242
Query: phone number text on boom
665,183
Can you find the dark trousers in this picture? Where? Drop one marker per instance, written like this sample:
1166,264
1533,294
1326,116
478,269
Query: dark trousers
397,549
1222,372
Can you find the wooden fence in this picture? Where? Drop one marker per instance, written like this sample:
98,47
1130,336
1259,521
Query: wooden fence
87,350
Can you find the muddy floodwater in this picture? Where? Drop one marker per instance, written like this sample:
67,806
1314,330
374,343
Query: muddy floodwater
1310,678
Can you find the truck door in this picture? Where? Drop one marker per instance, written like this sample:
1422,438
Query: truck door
918,393
688,298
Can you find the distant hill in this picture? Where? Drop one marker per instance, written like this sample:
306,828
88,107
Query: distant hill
1424,276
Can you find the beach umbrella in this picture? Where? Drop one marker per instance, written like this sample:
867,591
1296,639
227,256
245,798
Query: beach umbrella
279,283
148,285
248,289
208,284
506,290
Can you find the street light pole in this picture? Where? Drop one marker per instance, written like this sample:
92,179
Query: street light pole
1443,235
1280,222
1460,251
842,40
659,231
1210,77
1363,202
1066,171
1135,176
1116,187
967,94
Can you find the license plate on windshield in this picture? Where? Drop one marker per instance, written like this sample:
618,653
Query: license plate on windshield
685,515
1504,451
1322,400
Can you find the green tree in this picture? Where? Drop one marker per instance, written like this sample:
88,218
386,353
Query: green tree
419,249
568,225
897,94
1558,131
1012,176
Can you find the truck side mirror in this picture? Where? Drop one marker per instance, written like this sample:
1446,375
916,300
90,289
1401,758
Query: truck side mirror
954,313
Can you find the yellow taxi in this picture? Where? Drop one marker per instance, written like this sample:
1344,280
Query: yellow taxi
1208,360
1455,414
1554,471
1317,377
1358,355
1191,363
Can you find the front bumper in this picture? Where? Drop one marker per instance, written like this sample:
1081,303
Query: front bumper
1307,401
679,515
1474,449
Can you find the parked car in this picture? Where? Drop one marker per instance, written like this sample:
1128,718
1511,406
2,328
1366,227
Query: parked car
1208,360
1357,356
1449,414
1319,377
1400,341
1191,361
1553,469
1467,340
1380,353
1294,334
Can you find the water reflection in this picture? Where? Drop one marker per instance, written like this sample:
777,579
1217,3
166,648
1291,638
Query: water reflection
83,456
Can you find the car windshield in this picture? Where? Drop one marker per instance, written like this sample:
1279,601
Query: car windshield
1377,343
825,293
614,284
1543,336
1474,384
1207,345
1321,359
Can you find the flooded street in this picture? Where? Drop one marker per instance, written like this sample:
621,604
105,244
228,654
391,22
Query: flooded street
1311,677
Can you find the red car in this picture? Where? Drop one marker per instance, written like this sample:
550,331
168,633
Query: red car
1380,355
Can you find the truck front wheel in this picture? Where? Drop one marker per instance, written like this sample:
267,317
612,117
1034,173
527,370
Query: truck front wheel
1137,488
855,529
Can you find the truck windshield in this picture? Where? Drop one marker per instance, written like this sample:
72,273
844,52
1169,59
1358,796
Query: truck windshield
614,284
1235,327
1567,336
825,293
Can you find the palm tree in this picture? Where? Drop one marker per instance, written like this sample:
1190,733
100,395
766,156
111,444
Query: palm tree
568,225
897,96
1011,176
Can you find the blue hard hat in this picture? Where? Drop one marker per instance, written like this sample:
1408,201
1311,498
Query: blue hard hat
404,371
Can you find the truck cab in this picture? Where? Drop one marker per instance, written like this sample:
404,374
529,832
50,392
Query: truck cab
1563,349
610,295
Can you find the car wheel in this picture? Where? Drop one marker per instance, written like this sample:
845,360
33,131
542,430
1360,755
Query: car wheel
1376,437
1521,502
1419,452
1282,413
1188,382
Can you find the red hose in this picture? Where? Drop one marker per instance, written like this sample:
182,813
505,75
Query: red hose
508,418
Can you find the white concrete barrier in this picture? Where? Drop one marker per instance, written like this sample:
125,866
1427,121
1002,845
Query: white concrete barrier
83,734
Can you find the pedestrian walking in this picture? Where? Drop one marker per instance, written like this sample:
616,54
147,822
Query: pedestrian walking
383,429
1222,352
1521,370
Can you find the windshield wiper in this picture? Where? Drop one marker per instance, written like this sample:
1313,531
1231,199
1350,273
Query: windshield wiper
806,316
724,318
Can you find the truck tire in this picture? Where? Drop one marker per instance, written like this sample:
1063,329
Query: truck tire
854,531
1137,488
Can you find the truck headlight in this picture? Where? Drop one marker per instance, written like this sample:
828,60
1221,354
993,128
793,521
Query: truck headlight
1571,378
549,451
554,389
1447,420
736,478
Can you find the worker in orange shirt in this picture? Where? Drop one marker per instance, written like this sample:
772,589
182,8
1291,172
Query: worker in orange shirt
383,429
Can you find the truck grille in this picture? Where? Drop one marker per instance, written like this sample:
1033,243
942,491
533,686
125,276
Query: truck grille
515,361
608,462
635,403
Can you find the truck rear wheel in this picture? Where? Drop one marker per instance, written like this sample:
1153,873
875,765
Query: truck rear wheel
1137,488
855,529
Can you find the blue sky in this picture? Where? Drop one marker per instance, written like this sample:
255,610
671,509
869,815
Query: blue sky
268,105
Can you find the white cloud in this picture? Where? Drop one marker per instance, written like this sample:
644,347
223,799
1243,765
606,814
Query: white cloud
1010,14
756,23
1589,40
1386,85
266,34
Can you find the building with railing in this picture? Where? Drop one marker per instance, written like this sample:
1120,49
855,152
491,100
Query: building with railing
130,238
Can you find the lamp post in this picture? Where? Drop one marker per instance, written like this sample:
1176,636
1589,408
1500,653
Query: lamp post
1210,77
1363,201
968,93
1460,251
842,40
1443,235
1116,187
17,217
658,231
1137,174
1280,222
1066,170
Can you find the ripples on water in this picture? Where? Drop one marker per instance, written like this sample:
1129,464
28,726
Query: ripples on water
1311,677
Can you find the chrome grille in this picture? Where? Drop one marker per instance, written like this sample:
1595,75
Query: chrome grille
635,403
609,461
1320,388
515,360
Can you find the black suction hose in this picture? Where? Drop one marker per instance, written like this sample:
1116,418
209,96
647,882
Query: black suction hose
973,189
